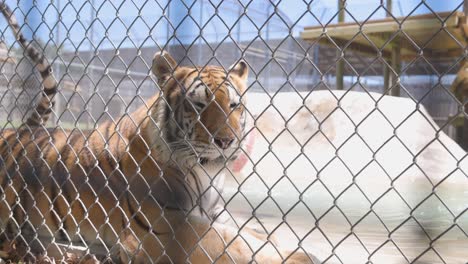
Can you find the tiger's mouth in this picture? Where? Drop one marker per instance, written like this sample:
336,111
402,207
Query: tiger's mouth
218,160
212,154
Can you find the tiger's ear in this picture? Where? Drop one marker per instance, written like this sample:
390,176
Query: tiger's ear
240,69
163,65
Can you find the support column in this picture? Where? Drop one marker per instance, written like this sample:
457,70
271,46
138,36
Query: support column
396,65
386,70
340,63
386,77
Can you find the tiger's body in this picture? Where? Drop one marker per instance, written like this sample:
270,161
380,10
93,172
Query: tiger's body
146,188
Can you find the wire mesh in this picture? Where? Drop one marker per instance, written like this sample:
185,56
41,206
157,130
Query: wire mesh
313,173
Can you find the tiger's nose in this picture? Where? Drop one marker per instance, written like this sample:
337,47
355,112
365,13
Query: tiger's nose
223,143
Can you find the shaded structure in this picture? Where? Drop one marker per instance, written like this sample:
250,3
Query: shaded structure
436,40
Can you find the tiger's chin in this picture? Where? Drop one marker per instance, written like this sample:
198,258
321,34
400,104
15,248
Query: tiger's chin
220,159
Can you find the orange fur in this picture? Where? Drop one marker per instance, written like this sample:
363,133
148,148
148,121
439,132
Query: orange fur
83,186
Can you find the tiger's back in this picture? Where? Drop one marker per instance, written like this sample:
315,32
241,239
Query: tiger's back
60,186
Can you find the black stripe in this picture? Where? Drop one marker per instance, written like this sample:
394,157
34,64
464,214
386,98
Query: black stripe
19,138
50,90
42,110
10,232
46,72
164,206
182,183
197,183
207,93
139,222
33,121
34,54
21,39
6,142
5,158
34,176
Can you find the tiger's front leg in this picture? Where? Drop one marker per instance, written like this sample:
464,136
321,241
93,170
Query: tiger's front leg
199,241
193,239
221,216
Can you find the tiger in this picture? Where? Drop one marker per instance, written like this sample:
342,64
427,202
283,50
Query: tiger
142,189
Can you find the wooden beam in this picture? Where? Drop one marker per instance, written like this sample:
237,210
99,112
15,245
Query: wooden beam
362,45
389,26
354,46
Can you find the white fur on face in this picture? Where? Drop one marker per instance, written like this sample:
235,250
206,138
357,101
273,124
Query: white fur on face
200,95
198,92
234,96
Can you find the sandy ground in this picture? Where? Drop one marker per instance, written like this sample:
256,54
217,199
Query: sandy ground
366,176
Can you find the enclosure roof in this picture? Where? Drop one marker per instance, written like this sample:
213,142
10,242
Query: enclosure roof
437,35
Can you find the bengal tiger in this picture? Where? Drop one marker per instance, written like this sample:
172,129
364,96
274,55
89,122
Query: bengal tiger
145,188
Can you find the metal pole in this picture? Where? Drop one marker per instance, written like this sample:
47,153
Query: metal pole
389,7
386,78
56,66
396,65
386,69
340,63
395,62
267,80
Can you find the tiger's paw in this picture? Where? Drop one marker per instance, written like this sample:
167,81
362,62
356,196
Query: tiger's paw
264,236
299,257
72,258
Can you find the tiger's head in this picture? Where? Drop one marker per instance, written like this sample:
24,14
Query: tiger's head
200,115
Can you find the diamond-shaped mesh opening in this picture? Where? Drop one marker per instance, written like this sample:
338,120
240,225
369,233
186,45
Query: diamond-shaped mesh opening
269,133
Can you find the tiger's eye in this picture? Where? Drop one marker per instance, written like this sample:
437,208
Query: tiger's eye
199,105
234,105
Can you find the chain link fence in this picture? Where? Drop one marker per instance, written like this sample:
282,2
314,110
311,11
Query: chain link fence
330,166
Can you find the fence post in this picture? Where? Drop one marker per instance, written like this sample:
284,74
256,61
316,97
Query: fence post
396,66
386,69
340,63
